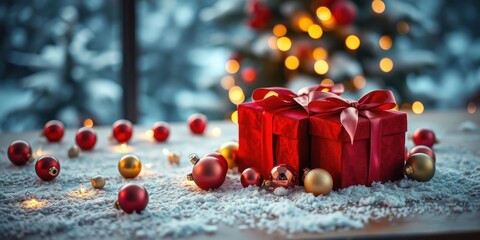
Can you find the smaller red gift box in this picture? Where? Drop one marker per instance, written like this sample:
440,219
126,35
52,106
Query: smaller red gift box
362,150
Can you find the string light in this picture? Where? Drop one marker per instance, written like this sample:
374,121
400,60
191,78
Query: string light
327,82
359,82
320,53
315,31
403,27
292,62
324,14
352,42
33,203
234,117
279,30
304,22
385,42
232,66
378,6
471,108
284,44
321,67
88,122
417,107
386,64
227,82
236,95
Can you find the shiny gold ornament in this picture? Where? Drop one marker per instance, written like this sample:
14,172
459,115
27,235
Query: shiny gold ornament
229,151
73,151
129,166
317,181
98,182
420,167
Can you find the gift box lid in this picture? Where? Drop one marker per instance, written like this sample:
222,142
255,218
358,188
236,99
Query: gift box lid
329,126
290,122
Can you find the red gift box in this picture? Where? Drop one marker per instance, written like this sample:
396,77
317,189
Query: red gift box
357,142
273,129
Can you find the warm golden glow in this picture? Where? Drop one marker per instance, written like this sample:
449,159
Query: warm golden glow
292,62
284,44
329,24
471,108
378,6
321,67
406,106
216,132
304,23
232,66
320,53
33,203
269,94
417,107
234,117
385,42
149,133
324,14
148,165
88,122
352,42
236,95
279,30
359,82
386,64
227,82
82,188
403,28
396,108
315,31
123,147
272,42
327,82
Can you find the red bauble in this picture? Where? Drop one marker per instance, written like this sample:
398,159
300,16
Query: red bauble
283,175
251,177
47,168
344,12
132,197
260,14
161,131
197,123
53,130
19,152
122,130
425,137
422,149
220,158
86,138
208,173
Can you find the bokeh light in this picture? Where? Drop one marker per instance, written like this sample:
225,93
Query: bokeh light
315,31
249,74
471,108
352,42
327,82
385,42
279,30
284,44
378,6
292,62
234,117
403,28
386,65
227,82
320,53
359,82
417,107
324,14
232,66
236,95
321,67
304,23
88,122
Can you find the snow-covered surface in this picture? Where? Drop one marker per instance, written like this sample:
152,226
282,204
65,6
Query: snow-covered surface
177,208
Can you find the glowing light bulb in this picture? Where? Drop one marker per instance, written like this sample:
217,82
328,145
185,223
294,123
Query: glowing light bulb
88,122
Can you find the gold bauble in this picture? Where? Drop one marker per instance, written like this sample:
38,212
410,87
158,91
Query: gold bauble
73,151
420,167
129,166
98,182
317,181
229,151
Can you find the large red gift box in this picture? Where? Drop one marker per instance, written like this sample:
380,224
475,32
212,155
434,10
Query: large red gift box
375,152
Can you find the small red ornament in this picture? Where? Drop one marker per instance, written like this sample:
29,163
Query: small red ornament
122,130
86,138
207,172
220,158
53,130
47,168
197,123
161,131
282,175
423,136
260,14
251,177
344,12
132,197
422,149
19,152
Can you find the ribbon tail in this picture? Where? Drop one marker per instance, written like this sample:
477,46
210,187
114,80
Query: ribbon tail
267,161
375,149
349,120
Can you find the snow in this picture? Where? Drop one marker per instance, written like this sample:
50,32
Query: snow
177,208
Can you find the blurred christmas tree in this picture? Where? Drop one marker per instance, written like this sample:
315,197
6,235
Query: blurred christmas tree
296,43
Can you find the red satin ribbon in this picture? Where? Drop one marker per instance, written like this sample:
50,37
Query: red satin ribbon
324,103
274,100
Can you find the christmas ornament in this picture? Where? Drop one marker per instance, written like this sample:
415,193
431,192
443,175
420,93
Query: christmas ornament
420,167
220,158
86,138
132,197
53,130
98,182
229,150
129,166
19,152
282,175
197,123
122,130
207,172
425,137
260,14
317,181
423,149
73,151
344,12
251,177
161,131
47,168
